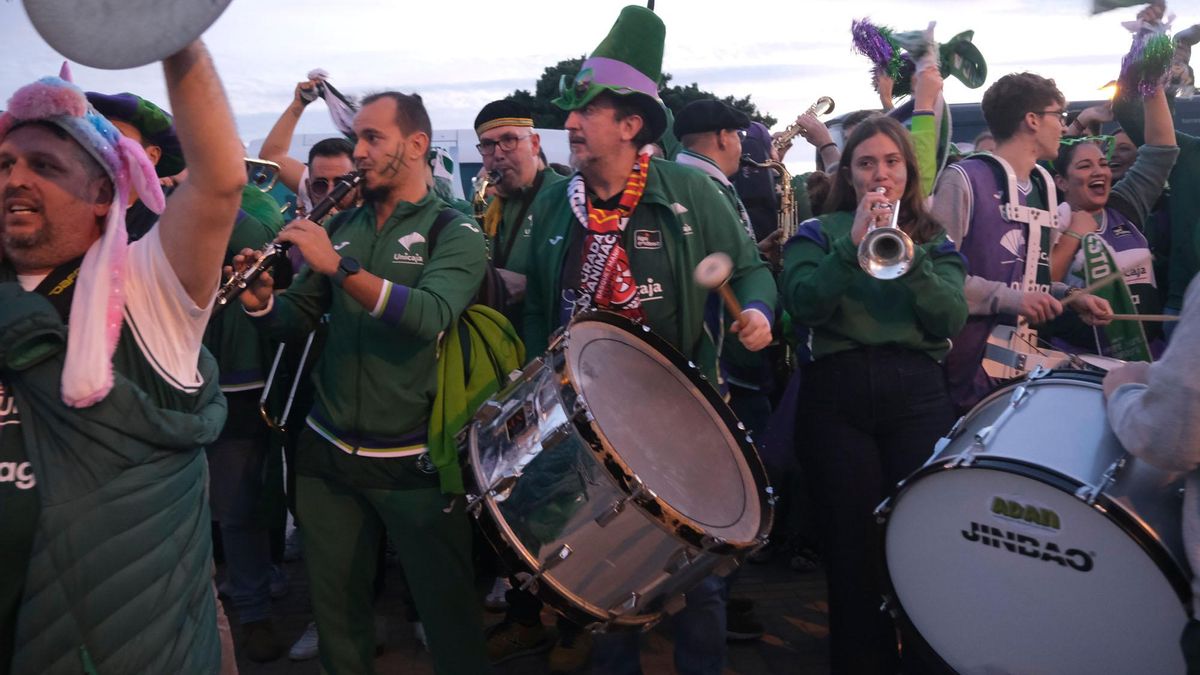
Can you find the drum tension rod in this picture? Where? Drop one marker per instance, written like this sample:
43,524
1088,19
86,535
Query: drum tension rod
1089,493
548,564
475,502
967,458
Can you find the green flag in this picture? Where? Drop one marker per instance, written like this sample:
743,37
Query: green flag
1126,339
1099,6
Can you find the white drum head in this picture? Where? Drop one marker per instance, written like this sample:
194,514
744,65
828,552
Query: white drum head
664,430
1002,573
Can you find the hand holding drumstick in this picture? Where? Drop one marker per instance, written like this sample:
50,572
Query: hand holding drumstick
751,326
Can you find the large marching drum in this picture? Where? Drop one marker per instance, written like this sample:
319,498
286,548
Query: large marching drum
1032,542
612,478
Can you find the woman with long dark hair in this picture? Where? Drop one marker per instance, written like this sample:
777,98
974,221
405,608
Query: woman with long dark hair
873,401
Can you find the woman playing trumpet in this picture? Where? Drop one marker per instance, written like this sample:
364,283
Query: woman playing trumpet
874,400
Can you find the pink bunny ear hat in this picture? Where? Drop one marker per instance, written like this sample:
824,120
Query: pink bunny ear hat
99,301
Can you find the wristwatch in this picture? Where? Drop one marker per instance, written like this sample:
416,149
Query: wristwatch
346,267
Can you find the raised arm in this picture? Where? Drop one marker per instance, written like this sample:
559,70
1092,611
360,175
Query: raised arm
199,217
275,147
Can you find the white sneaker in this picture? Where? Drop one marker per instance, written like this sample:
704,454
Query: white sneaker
419,633
306,647
495,600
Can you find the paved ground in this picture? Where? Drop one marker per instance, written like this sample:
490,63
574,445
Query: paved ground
790,604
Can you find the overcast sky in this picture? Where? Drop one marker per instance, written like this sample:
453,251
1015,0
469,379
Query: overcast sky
460,54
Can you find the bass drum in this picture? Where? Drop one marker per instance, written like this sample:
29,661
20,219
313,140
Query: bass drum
612,478
1032,542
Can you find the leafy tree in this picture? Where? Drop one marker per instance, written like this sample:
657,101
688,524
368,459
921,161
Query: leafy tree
548,116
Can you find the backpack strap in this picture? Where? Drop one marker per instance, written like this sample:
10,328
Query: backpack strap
443,219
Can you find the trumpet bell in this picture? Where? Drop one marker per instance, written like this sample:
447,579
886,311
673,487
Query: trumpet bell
885,253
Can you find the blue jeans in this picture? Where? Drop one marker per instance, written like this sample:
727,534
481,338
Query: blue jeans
699,637
236,473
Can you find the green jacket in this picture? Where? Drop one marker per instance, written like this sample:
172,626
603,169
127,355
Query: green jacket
120,574
1183,206
243,354
513,254
692,219
826,290
377,376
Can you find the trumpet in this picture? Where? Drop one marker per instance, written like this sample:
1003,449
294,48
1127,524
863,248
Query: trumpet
783,142
275,250
886,252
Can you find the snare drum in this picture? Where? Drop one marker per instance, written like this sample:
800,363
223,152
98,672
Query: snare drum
1096,362
1032,542
612,478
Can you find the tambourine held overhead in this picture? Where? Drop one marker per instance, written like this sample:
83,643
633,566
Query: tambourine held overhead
118,34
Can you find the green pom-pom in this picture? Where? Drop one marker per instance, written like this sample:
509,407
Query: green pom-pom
1156,57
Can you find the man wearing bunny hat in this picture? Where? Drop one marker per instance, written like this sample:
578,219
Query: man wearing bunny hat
107,549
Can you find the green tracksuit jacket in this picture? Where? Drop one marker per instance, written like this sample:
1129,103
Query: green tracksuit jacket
377,377
681,218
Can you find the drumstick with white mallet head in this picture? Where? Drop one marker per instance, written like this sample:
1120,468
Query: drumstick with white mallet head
713,273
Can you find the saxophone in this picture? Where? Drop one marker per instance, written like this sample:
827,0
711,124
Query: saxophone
787,220
783,142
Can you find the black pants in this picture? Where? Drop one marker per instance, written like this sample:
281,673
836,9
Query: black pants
867,418
1190,641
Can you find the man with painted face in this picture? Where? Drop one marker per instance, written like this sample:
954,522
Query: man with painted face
624,234
363,460
510,150
107,528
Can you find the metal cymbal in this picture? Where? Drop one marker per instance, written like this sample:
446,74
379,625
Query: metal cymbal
117,34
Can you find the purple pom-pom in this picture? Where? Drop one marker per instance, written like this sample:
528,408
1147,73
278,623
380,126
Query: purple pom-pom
869,42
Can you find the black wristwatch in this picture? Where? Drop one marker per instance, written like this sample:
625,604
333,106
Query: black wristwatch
345,268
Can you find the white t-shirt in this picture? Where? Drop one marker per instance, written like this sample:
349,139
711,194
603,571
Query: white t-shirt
166,324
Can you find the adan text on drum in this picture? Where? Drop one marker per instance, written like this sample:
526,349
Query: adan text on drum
613,478
1032,542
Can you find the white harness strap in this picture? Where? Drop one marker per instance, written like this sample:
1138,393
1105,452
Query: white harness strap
1011,350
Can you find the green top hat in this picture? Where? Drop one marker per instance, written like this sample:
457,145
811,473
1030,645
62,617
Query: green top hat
628,62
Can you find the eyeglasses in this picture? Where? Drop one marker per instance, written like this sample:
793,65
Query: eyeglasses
1062,115
506,143
319,187
1106,143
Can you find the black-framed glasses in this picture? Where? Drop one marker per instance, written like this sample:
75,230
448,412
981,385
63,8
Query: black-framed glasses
319,187
506,143
1062,114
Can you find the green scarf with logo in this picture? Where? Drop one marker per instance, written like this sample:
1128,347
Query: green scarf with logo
1126,339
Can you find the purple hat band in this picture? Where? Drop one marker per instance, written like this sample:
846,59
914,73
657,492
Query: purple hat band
616,74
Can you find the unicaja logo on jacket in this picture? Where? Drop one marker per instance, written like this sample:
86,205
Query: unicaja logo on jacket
408,241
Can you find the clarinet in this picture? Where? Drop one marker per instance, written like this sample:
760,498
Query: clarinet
275,250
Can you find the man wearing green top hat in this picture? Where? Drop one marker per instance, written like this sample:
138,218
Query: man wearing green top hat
624,234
